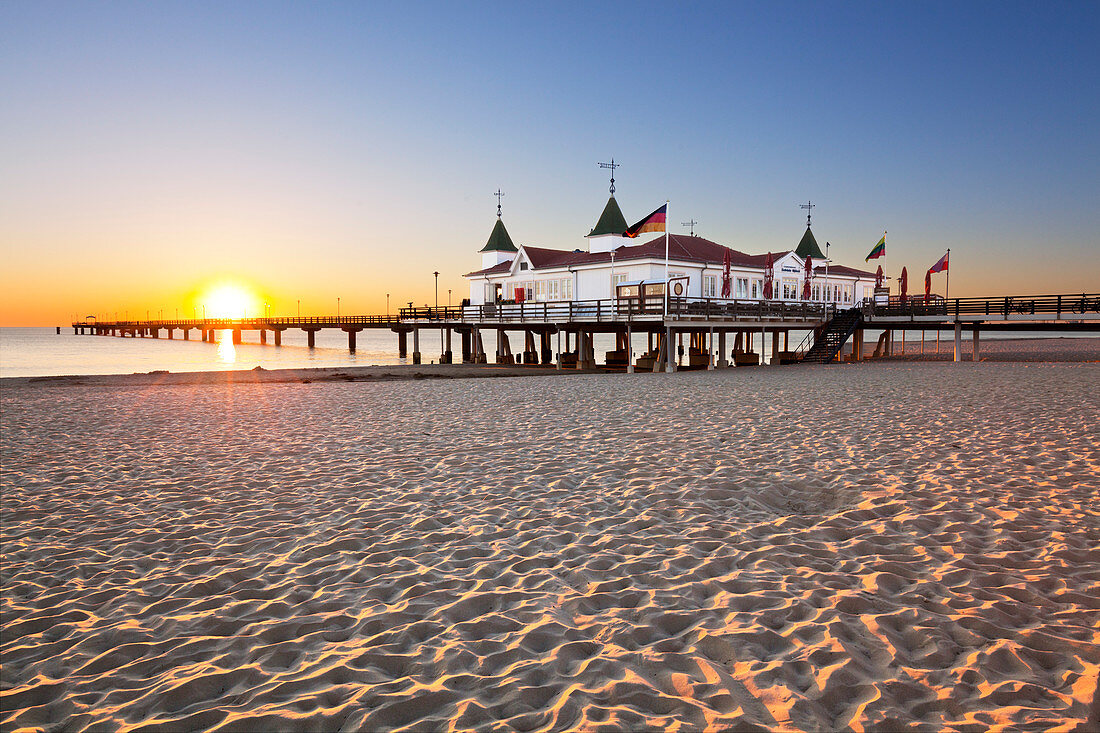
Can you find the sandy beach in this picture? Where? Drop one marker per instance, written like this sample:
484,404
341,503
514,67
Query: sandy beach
883,546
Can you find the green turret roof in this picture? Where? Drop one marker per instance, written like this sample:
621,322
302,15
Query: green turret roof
808,247
611,220
499,241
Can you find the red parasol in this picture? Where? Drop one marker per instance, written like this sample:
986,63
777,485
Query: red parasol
769,271
726,276
878,277
904,284
806,281
927,286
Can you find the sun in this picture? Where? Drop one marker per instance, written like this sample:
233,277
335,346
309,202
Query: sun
229,300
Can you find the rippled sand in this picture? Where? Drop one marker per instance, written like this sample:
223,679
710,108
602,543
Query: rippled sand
883,546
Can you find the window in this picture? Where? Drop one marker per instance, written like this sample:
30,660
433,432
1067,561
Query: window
755,289
742,287
618,277
710,286
489,293
540,290
553,291
523,265
567,289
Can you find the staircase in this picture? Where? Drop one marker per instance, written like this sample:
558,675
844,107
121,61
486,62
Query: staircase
833,336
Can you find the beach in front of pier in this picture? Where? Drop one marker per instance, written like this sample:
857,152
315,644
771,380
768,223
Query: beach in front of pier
886,545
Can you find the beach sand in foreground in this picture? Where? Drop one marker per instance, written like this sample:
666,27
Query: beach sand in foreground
870,546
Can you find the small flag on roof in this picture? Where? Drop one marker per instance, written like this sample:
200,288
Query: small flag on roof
878,251
655,222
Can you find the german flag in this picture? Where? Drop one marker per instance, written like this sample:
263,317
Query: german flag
655,222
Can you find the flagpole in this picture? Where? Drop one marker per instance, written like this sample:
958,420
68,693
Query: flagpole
666,258
947,295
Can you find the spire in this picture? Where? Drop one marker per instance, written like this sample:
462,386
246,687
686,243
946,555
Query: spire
611,220
499,241
808,247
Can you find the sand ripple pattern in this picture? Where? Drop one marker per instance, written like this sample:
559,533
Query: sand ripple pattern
887,546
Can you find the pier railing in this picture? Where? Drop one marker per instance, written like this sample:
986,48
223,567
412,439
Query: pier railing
625,309
1085,305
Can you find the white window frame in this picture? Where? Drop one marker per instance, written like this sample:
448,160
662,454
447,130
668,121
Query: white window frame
710,286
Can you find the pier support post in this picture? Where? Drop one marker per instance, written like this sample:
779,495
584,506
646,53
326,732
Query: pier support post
467,351
976,356
670,349
547,350
629,349
278,337
710,350
859,344
402,344
186,334
351,339
170,336
416,346
722,360
263,335
448,356
236,335
559,365
775,347
311,337
958,341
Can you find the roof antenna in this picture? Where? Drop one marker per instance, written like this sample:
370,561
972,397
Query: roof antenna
691,224
498,194
807,206
612,165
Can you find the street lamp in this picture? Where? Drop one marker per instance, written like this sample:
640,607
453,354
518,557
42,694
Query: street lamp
337,307
827,294
299,307
387,306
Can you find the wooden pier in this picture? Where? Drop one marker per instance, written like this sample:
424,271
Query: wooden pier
710,325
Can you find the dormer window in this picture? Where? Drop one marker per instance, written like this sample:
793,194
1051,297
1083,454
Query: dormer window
523,265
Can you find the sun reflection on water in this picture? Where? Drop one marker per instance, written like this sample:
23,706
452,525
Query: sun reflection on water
227,352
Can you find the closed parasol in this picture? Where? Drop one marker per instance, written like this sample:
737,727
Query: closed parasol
726,276
806,282
904,284
769,271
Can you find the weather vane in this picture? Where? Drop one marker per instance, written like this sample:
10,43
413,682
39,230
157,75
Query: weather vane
691,224
498,194
807,206
612,165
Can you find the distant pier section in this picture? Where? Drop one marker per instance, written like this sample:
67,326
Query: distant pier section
708,324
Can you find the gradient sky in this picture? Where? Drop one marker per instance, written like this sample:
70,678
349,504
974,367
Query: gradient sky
320,150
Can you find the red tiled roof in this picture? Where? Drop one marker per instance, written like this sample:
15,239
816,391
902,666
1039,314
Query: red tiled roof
680,247
496,269
843,270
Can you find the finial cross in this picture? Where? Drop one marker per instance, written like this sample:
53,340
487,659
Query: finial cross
807,206
690,224
498,194
612,166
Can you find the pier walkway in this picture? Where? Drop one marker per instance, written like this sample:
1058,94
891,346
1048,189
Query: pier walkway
706,321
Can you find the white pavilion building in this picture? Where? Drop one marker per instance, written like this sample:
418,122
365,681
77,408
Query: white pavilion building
613,264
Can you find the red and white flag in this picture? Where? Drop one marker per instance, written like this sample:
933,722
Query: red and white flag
941,265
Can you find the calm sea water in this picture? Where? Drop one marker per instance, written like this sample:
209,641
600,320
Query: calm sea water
34,352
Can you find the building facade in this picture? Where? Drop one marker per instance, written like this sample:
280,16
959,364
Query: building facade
613,265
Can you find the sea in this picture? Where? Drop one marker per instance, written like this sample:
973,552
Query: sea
40,352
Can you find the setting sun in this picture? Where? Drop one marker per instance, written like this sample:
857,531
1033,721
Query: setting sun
229,300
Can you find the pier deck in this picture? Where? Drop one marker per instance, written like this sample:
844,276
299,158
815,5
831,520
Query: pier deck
702,319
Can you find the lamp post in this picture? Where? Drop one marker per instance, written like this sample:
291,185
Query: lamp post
387,306
338,307
448,297
299,308
827,294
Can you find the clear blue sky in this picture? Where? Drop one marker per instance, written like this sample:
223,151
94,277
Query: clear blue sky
321,149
